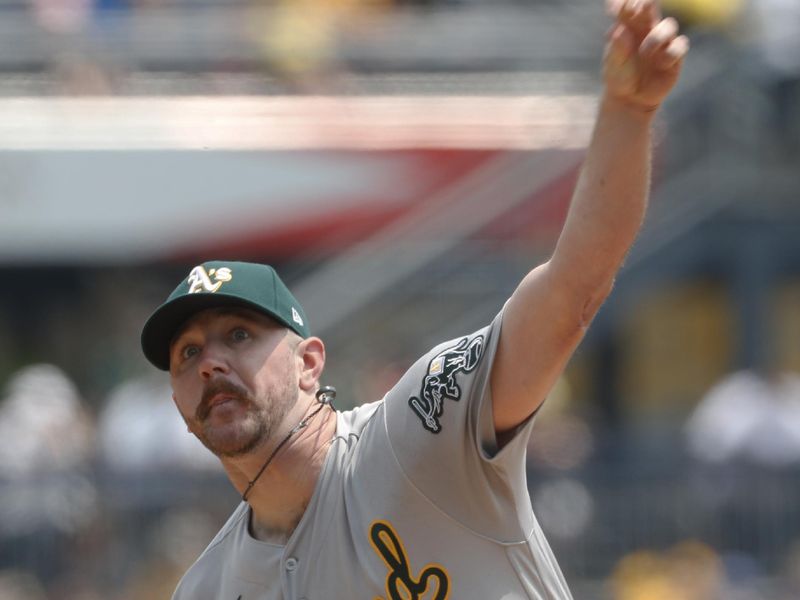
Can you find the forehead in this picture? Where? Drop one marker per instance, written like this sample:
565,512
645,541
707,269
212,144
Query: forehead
207,319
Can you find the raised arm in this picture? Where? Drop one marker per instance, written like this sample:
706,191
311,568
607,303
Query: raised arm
549,312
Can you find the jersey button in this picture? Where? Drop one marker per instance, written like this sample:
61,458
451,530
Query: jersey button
291,563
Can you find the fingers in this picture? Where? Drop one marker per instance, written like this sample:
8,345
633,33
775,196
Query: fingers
639,15
644,53
621,46
662,47
659,38
674,53
613,7
618,66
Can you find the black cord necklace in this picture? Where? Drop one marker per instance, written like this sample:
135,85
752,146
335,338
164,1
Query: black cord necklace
325,396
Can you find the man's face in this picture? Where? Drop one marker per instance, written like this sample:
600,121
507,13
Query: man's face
234,376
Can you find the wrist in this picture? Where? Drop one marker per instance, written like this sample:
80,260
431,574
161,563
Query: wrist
619,106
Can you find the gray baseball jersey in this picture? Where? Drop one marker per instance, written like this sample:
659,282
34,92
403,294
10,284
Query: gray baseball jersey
414,501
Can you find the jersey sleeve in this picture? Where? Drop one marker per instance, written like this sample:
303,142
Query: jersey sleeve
440,425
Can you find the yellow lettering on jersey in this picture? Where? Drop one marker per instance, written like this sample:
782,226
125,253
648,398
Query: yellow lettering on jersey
400,583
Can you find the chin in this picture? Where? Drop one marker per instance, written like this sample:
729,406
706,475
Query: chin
231,442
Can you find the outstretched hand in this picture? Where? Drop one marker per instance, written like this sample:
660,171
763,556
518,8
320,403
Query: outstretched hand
644,54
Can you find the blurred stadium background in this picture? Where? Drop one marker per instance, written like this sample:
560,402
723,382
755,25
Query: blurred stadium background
403,163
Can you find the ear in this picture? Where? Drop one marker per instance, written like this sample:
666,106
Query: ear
311,351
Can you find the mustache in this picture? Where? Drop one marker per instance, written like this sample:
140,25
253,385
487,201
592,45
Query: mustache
218,386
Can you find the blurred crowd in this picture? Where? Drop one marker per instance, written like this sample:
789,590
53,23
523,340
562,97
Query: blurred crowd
91,42
710,515
90,504
93,45
117,502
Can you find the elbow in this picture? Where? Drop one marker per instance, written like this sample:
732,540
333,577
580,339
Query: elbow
571,302
584,291
592,302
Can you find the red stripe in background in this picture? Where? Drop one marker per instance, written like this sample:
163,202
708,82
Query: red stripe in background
541,216
314,235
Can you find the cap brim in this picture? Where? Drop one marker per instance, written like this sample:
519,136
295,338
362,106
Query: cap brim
160,329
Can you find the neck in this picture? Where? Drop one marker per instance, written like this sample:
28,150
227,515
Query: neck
280,494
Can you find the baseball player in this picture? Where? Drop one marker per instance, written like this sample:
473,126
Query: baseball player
422,494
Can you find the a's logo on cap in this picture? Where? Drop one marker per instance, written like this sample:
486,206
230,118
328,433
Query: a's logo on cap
296,317
200,280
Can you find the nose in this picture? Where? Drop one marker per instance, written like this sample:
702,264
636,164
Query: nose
212,362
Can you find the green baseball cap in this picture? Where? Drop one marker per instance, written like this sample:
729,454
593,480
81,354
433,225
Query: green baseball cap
216,284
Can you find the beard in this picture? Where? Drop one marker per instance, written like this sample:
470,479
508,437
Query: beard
240,434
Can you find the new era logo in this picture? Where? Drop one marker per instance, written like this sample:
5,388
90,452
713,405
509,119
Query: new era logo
296,317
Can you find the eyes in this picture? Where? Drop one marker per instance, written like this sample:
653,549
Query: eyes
236,335
189,351
239,334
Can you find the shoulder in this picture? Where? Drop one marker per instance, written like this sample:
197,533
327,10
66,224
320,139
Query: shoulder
206,572
449,378
352,423
204,575
237,518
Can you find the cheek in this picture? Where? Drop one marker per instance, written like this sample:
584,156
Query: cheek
186,411
272,379
281,372
185,401
183,410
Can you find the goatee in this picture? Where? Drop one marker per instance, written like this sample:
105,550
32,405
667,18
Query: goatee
244,433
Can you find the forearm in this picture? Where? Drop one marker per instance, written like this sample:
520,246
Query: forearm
609,201
548,313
